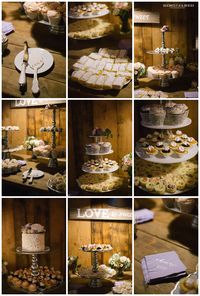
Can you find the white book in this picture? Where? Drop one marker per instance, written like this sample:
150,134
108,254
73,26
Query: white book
119,82
108,83
108,67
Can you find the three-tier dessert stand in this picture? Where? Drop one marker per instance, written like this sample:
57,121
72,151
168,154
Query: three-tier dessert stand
7,150
169,159
95,277
99,156
53,161
164,82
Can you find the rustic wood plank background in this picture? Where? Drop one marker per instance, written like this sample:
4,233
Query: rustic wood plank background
183,24
191,130
167,232
116,233
30,120
84,116
51,213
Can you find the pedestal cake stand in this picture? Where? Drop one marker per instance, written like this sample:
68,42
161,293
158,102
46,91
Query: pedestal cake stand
169,159
6,151
53,162
164,82
95,278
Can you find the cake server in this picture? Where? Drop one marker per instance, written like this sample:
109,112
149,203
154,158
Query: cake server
28,175
22,77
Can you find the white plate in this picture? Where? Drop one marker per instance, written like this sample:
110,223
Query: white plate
35,173
35,55
110,152
167,193
176,289
186,122
115,168
93,38
169,159
103,191
102,13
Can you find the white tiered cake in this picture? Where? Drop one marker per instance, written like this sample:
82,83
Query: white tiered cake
33,238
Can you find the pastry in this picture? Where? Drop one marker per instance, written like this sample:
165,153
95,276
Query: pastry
166,151
151,150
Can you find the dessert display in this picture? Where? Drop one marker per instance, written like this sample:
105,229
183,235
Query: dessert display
6,149
22,279
102,167
104,272
166,147
51,13
46,150
165,72
87,10
169,113
36,279
96,274
10,166
141,93
58,183
105,69
33,238
90,29
99,183
96,247
161,179
43,150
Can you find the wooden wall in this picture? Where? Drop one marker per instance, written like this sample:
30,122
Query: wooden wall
191,130
116,233
30,120
51,213
84,116
183,24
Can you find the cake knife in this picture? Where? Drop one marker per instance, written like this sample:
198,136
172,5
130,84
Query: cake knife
22,77
28,174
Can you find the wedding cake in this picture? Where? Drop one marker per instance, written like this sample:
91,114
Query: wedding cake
33,238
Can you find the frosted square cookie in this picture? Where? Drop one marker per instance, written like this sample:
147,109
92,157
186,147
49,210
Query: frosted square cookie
122,67
101,66
108,83
95,56
115,67
78,66
119,82
92,80
86,76
76,75
129,67
83,60
100,81
108,67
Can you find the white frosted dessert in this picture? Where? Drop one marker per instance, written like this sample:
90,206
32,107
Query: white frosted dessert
33,238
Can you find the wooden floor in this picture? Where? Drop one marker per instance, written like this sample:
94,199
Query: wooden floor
167,232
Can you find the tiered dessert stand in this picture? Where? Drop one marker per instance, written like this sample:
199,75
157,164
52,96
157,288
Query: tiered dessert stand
164,82
99,156
53,162
95,277
168,159
107,11
7,150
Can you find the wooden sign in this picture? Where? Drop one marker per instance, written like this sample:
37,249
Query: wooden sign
34,103
146,17
100,214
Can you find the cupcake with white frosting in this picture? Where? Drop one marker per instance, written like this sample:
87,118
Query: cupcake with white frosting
54,17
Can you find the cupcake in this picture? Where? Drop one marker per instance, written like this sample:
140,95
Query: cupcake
145,145
154,140
157,116
159,145
44,11
166,151
105,148
149,137
32,11
185,144
180,151
174,116
54,17
151,150
32,288
191,140
144,113
179,133
178,140
88,148
173,145
95,148
186,205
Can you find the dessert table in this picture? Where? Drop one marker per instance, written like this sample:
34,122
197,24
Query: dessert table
53,82
77,285
167,232
13,184
79,48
